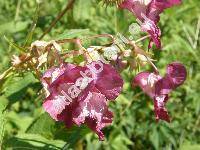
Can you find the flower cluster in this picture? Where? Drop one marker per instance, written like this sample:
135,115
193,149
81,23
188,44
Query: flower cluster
148,11
79,95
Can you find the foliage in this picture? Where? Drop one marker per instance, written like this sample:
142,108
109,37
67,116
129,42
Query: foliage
23,123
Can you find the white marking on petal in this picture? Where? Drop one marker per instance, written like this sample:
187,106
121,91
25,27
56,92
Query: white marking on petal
144,81
60,102
85,112
152,79
55,106
160,99
55,74
145,2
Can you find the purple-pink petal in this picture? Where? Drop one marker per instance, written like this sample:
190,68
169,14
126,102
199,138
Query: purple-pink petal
175,76
52,74
109,82
177,73
154,32
94,112
156,7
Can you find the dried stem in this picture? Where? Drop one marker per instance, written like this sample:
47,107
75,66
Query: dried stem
78,42
37,73
140,51
6,73
60,60
102,35
152,64
141,39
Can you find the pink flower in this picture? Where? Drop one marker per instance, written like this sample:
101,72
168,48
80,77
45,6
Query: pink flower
79,95
158,87
148,11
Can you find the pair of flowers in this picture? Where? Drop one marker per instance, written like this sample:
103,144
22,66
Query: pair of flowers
90,107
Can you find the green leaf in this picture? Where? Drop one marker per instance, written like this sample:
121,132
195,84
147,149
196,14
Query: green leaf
12,27
189,146
43,125
49,128
73,135
16,87
32,141
14,119
73,33
3,104
4,76
85,13
168,134
16,84
154,137
121,142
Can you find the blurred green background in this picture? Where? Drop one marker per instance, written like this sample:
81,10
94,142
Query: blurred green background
23,123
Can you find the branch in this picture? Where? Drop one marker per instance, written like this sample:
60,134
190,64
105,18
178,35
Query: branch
59,16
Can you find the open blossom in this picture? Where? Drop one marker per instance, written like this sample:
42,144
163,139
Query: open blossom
158,87
79,95
148,11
